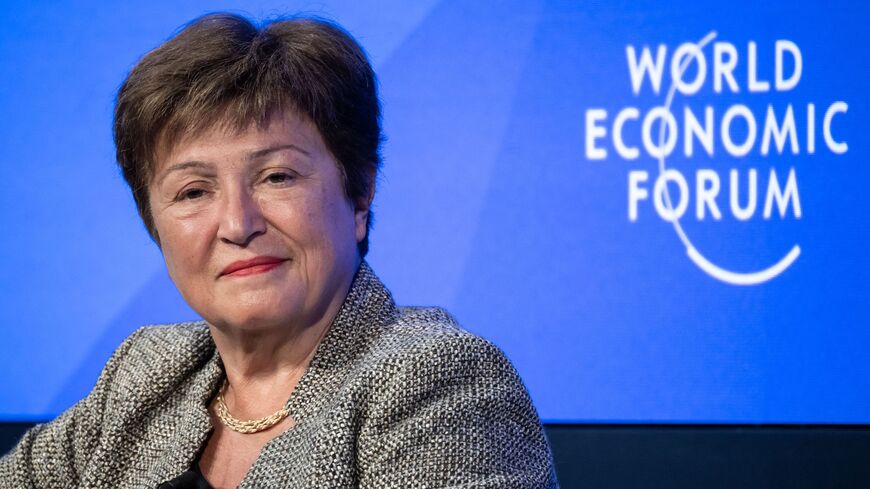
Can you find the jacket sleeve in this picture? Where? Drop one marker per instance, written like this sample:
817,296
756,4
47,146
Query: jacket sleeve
51,455
454,414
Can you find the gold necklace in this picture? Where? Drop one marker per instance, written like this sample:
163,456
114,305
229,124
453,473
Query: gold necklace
248,426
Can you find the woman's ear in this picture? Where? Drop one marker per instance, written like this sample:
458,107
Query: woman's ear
362,211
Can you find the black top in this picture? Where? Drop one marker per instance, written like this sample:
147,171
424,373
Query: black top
191,479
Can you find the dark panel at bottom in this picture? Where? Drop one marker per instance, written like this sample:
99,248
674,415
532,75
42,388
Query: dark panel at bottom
712,457
690,456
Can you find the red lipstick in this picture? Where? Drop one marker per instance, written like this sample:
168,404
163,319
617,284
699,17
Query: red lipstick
253,266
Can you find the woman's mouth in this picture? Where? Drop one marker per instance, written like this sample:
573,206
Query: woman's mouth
259,264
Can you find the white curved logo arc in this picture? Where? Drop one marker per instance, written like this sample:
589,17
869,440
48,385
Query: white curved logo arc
710,268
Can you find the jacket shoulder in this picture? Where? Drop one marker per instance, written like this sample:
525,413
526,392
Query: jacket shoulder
429,341
448,406
156,358
178,337
167,343
422,325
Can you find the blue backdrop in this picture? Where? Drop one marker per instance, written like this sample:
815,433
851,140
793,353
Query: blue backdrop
525,143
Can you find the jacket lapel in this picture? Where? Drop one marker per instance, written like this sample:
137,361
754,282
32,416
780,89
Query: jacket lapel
194,425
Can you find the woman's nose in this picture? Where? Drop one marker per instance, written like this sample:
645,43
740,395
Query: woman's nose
241,219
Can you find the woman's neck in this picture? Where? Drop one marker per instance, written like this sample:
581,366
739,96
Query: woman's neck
264,367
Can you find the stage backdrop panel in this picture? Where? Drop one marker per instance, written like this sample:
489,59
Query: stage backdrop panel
656,209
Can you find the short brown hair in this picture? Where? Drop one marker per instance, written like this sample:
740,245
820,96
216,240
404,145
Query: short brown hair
223,69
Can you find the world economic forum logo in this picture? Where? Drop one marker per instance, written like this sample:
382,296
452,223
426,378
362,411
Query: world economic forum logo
785,129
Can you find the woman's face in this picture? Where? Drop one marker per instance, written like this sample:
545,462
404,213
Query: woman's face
255,227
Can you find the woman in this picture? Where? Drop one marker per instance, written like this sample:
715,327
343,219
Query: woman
252,155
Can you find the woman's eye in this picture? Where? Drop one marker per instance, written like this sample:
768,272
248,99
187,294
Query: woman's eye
279,177
191,194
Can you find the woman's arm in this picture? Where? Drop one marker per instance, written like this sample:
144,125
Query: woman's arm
51,455
455,414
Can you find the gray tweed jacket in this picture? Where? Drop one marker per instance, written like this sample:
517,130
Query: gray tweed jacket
394,397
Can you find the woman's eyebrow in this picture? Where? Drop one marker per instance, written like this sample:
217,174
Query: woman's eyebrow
266,151
185,165
182,166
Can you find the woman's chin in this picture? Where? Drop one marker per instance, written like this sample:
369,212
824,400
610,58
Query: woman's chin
249,319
